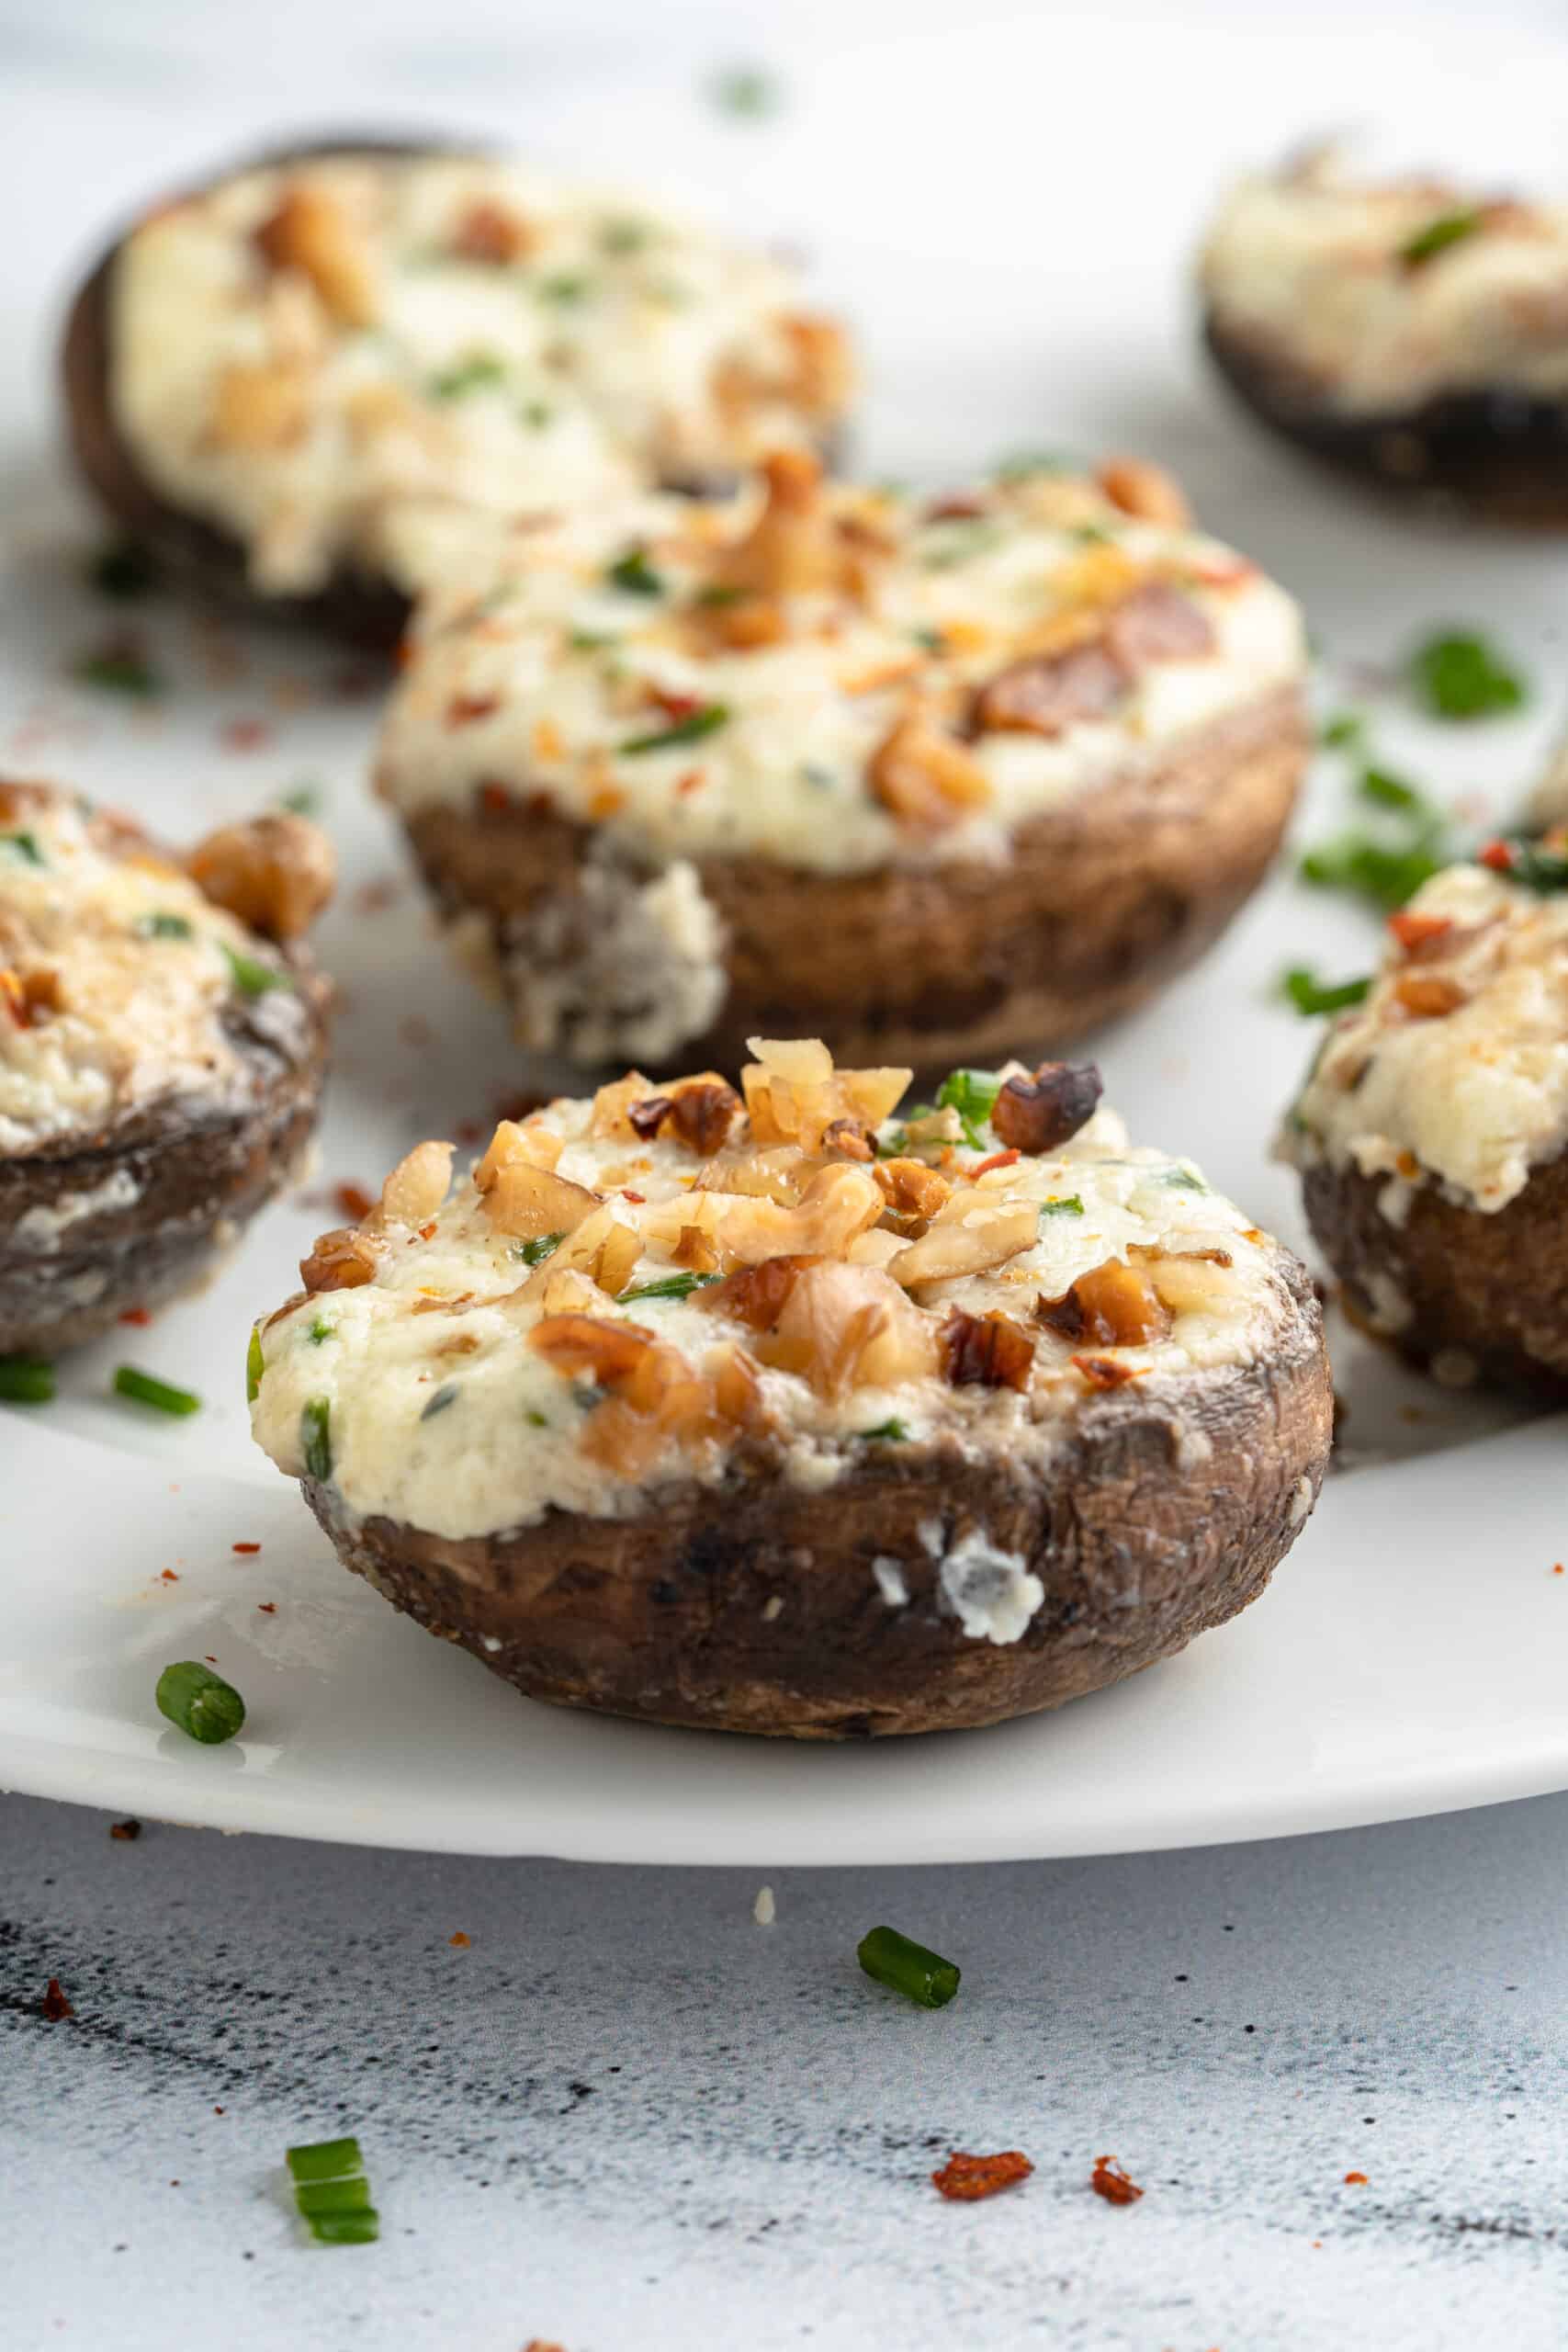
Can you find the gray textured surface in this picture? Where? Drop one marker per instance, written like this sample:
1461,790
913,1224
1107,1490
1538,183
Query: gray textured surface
627,2116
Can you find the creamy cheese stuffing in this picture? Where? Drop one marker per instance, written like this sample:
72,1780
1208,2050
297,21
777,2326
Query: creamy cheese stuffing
115,974
1387,296
478,1369
815,673
1454,1070
334,358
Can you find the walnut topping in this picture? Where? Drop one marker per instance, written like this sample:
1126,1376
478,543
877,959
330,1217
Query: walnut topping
969,1235
1157,623
511,1142
700,1110
912,1189
1104,643
275,874
838,1326
30,997
838,1201
418,1184
1044,1112
645,1118
1044,693
850,1139
986,1351
311,232
791,549
1427,996
821,376
262,407
491,233
528,1201
342,1260
793,1093
924,776
1145,491
1114,1305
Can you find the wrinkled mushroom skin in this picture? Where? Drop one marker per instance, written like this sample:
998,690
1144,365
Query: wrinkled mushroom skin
1100,904
198,1176
1162,1513
1501,454
1492,1288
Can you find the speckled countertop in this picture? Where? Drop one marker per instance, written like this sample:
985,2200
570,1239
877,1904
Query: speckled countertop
625,2118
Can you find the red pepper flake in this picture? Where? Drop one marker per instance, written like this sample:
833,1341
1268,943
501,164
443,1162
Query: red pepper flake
1417,930
139,1316
1109,2179
495,798
692,781
167,1576
427,1232
247,734
464,709
674,706
354,1201
965,2179
268,1608
459,1941
1559,1569
1355,2181
54,2004
1104,1372
127,1831
627,1195
1498,855
996,1159
244,1548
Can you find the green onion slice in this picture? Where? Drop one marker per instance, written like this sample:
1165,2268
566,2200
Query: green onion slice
142,1388
672,1286
908,1968
314,2160
315,1437
316,2197
690,729
200,1702
892,1431
1065,1205
26,1380
633,573
345,2228
255,1364
251,976
535,1252
973,1094
1310,995
1448,229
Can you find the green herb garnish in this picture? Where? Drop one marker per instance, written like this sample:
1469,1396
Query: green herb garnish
1385,790
566,287
24,845
932,640
536,415
634,575
1065,1205
1310,995
142,1388
332,2194
162,926
973,1094
892,1431
315,2160
119,670
1523,860
316,1437
718,593
1344,730
123,570
304,801
921,1975
620,237
1019,464
749,92
255,1364
319,1330
535,1252
1448,229
690,729
316,2197
480,373
672,1286
588,641
446,1395
960,540
1461,676
26,1380
251,976
1186,1177
536,1420
200,1702
1372,869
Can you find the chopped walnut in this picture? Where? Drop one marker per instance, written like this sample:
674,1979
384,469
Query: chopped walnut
821,376
843,1326
793,1093
1145,491
1427,996
910,1188
755,1295
344,1259
968,1235
311,232
986,1351
274,873
848,1138
492,233
702,1114
791,549
528,1202
1114,1305
262,407
1044,1112
417,1185
924,776
1157,623
1044,693
511,1143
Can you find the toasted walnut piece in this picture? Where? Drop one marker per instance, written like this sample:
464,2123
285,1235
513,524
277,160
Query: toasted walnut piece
490,232
602,1248
821,377
924,776
912,1189
512,1144
555,1289
755,1295
1144,490
740,623
1157,623
645,1118
737,1387
791,549
702,1114
1191,1282
274,873
1114,1305
848,1138
968,1235
986,1351
846,1327
694,1251
1044,693
33,995
609,1352
311,232
780,1173
1105,1371
1044,1112
344,1259
840,1201
611,1104
1427,995
262,407
526,1202
417,1185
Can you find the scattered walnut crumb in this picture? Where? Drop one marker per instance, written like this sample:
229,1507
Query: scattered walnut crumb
246,1548
54,2004
965,2178
458,1940
126,1831
1355,2181
1109,2179
268,1608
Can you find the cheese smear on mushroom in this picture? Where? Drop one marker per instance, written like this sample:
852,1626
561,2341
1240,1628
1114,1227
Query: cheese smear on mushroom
436,1409
1454,1069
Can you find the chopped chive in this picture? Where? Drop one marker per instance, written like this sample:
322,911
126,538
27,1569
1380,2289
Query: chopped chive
315,1437
1067,1205
255,1364
535,1252
590,640
892,1431
1310,995
1342,732
142,1388
162,926
634,575
1186,1176
921,1975
26,1380
1459,676
749,92
1448,229
345,2228
477,374
565,286
200,1702
1387,791
304,801
973,1094
672,1286
319,1330
119,671
690,729
1021,463
536,1420
24,845
446,1395
622,237
536,415
933,640
251,976
123,570
350,2195
960,539
324,2160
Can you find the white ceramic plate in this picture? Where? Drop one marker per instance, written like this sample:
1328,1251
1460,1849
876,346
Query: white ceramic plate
1408,1656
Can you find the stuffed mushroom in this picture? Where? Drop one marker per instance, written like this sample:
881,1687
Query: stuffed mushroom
924,777
1410,332
162,1048
1432,1134
782,1411
296,381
